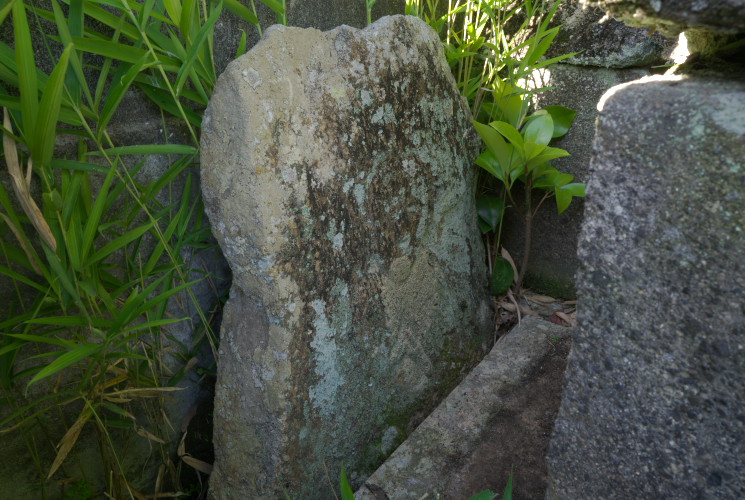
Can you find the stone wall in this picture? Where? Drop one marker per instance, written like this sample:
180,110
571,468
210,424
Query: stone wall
609,53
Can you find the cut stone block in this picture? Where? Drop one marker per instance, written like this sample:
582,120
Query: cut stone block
338,178
655,400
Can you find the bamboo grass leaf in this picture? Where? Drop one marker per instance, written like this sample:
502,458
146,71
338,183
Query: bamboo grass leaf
196,45
148,149
26,67
49,108
94,217
119,243
241,10
67,359
117,90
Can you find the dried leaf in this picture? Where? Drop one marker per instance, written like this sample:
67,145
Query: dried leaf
197,464
144,433
21,187
565,317
68,441
540,299
144,392
508,257
182,446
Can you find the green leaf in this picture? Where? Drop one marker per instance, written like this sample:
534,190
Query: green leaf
148,149
532,149
67,359
484,495
508,488
490,209
93,221
488,162
563,119
119,243
5,10
119,86
191,56
240,10
546,155
502,276
173,7
577,189
511,133
565,193
539,129
46,123
25,62
346,489
241,46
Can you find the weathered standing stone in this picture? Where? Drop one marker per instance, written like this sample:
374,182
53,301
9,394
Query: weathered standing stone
655,400
338,179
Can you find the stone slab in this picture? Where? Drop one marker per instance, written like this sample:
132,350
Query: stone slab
655,399
428,462
337,177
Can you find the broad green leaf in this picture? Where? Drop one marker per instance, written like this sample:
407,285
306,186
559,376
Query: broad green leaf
511,133
532,149
490,209
545,156
563,199
67,359
488,162
563,118
539,130
46,123
346,489
491,138
578,189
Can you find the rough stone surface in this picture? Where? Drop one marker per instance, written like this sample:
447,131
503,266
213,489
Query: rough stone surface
674,16
603,41
426,463
554,248
655,399
338,179
328,14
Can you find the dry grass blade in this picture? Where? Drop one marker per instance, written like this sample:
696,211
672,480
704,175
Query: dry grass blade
152,437
143,392
26,249
540,299
21,187
68,440
197,464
